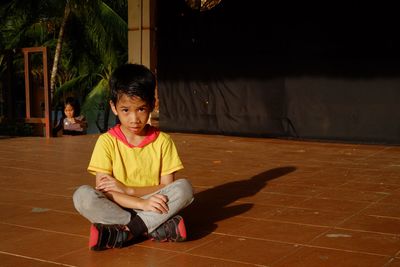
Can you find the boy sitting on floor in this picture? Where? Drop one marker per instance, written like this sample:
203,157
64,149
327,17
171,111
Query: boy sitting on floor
136,192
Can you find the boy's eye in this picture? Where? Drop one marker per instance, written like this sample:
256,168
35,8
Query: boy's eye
142,109
124,110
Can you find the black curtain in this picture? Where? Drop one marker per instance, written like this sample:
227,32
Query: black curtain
267,70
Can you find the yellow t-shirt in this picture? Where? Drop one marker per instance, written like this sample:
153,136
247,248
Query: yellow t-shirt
135,166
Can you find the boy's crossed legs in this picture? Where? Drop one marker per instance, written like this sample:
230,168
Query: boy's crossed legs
113,225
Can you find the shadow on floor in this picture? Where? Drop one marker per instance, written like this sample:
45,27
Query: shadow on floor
211,206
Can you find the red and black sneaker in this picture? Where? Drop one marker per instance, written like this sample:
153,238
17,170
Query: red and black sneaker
173,230
104,236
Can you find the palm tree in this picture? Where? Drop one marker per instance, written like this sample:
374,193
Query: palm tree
89,40
57,53
20,27
27,23
104,40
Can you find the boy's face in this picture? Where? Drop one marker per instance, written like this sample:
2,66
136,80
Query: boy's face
133,114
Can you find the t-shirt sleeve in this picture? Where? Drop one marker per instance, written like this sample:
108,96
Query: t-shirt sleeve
170,158
101,160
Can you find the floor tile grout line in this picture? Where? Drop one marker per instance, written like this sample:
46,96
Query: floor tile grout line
72,252
310,245
397,254
286,256
214,258
318,247
386,217
142,245
380,201
41,229
387,264
336,226
365,231
288,222
42,193
36,259
170,257
359,212
30,160
48,209
305,208
273,193
230,235
320,226
370,183
260,239
228,260
327,226
346,250
261,219
221,234
45,171
339,186
300,245
375,153
186,252
304,244
286,194
205,243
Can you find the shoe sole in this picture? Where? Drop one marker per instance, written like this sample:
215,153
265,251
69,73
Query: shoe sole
94,237
180,231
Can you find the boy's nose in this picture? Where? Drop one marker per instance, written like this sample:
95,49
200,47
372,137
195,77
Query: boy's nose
134,119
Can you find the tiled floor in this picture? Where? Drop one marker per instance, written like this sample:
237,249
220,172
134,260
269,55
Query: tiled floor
259,202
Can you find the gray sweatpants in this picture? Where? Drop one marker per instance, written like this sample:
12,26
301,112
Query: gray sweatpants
97,208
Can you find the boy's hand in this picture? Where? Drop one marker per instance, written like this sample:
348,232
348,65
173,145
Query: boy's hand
110,184
156,203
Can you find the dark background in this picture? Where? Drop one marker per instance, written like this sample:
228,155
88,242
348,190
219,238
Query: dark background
251,68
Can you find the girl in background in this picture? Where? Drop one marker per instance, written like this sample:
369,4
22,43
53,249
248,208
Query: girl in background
72,122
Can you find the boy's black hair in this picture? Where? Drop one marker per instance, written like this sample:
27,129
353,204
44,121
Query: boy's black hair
74,104
133,80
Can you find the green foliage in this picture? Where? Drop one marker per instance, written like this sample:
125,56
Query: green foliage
95,42
95,101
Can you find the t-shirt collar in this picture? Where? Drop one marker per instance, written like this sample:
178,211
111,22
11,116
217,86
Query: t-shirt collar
151,135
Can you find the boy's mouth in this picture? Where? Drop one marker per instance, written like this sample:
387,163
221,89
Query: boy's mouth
134,128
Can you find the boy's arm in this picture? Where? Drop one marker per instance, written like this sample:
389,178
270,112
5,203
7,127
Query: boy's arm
156,203
142,191
107,183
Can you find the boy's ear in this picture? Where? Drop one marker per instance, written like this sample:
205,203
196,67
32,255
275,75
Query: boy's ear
113,108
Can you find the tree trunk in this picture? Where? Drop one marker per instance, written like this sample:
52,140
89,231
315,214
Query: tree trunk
57,53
